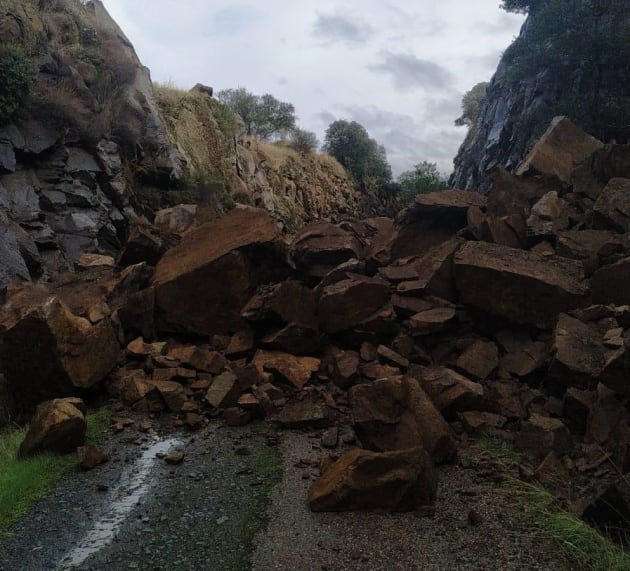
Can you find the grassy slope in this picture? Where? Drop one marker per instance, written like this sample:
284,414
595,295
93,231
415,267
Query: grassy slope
582,545
23,482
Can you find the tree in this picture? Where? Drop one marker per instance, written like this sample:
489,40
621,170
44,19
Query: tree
303,141
471,105
17,76
423,178
366,160
264,116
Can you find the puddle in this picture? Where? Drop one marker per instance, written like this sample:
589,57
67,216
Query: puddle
134,484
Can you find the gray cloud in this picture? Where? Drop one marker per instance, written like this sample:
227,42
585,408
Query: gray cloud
410,72
337,28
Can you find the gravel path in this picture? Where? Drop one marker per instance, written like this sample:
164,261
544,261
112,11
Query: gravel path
203,513
297,539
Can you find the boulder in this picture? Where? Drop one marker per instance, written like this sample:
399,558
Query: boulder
612,207
479,360
478,422
224,391
345,304
47,351
401,481
394,414
241,249
90,457
451,392
172,393
587,244
611,284
177,219
295,339
548,216
321,246
435,270
522,355
307,413
520,286
562,148
297,371
199,358
57,426
288,302
145,244
431,321
448,201
541,435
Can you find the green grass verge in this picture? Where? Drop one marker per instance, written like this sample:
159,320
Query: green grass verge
582,545
24,482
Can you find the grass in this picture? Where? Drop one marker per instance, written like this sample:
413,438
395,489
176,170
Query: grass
582,545
24,482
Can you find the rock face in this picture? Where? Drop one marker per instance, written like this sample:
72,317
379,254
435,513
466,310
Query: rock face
242,250
523,287
48,351
57,426
400,481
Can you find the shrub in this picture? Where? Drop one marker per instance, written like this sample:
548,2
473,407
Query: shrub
17,77
303,141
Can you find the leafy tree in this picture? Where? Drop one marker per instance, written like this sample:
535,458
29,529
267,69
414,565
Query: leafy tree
423,178
471,105
521,6
303,141
366,160
264,116
17,76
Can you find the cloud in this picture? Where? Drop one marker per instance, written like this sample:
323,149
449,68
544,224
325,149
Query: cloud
337,28
410,72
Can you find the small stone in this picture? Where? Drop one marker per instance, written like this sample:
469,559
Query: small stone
330,438
474,518
174,458
90,457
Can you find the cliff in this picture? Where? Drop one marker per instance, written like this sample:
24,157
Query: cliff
571,59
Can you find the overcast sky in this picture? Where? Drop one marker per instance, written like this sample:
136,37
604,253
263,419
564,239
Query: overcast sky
398,67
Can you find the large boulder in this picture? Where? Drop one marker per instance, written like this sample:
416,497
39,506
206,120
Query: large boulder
612,207
242,249
395,414
47,351
524,287
403,480
611,284
348,302
57,426
562,148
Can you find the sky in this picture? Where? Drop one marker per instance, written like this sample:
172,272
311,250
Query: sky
398,67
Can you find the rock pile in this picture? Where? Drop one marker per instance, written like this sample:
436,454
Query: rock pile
507,314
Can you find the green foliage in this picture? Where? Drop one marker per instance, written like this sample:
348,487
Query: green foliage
17,77
227,121
518,6
24,482
471,105
363,157
303,141
423,178
264,116
584,47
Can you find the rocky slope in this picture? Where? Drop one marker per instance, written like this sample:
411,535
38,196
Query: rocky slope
569,59
506,314
92,149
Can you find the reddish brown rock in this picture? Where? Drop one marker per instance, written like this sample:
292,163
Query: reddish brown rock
322,246
90,457
241,249
479,360
288,302
612,207
295,370
478,422
435,270
401,481
172,393
138,348
576,408
346,369
224,391
548,216
452,392
562,148
391,357
587,244
134,387
198,358
520,286
294,339
448,200
408,306
137,314
241,344
145,244
610,283
90,261
306,413
57,426
236,416
394,414
541,435
554,476
431,321
48,351
522,355
177,219
347,303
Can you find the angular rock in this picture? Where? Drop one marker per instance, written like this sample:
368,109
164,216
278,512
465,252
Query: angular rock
224,391
145,244
307,413
322,246
199,358
448,201
57,426
479,360
90,457
451,392
241,249
89,261
394,414
521,286
177,219
477,422
435,270
402,481
288,302
562,148
241,344
548,216
587,244
346,369
553,474
295,339
172,393
541,435
48,351
431,321
610,283
138,348
576,408
391,357
612,207
347,303
295,370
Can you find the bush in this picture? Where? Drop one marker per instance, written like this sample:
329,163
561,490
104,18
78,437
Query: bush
17,77
303,141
